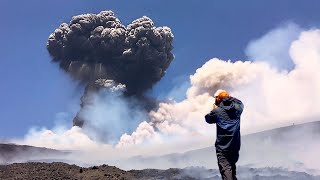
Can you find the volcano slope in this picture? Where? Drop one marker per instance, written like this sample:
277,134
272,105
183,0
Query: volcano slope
61,171
36,163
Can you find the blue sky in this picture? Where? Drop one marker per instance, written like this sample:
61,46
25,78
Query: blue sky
34,91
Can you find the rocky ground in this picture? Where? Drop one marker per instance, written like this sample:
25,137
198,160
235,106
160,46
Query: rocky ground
62,171
57,170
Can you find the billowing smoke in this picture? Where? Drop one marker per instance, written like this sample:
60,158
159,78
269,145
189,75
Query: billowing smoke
98,46
272,97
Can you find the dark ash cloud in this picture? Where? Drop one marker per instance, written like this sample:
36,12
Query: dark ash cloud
94,46
98,46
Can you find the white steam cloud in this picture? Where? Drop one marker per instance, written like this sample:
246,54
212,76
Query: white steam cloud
273,97
110,116
274,46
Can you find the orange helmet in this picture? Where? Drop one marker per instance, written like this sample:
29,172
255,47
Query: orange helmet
221,94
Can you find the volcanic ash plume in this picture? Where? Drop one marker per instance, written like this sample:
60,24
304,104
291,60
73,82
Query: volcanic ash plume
98,46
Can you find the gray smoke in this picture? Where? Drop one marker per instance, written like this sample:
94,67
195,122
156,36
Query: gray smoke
98,46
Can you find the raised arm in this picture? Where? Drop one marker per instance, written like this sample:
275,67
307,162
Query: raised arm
212,116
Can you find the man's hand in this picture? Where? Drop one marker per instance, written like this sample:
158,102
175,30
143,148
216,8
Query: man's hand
214,106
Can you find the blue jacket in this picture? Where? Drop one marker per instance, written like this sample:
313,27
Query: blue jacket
227,118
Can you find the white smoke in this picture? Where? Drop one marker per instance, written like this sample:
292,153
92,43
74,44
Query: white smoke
71,139
110,115
274,46
272,98
107,83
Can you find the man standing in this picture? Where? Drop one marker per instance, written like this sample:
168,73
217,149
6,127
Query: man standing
226,114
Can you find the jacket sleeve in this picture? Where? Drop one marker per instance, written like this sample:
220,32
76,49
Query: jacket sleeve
212,116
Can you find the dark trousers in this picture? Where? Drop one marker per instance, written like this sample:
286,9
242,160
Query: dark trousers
227,164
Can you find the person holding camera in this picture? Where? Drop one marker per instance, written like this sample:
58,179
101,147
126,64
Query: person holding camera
226,114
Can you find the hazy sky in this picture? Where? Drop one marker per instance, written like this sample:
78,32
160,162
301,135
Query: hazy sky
34,91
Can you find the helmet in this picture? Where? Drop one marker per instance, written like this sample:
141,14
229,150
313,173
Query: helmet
221,94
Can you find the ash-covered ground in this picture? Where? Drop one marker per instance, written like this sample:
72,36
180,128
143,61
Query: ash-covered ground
58,170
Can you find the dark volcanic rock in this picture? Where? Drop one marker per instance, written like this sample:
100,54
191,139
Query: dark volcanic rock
58,170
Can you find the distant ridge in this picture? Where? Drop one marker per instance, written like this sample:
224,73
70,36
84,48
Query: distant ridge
13,152
269,146
256,148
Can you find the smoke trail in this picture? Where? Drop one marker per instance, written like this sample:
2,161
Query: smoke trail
98,46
